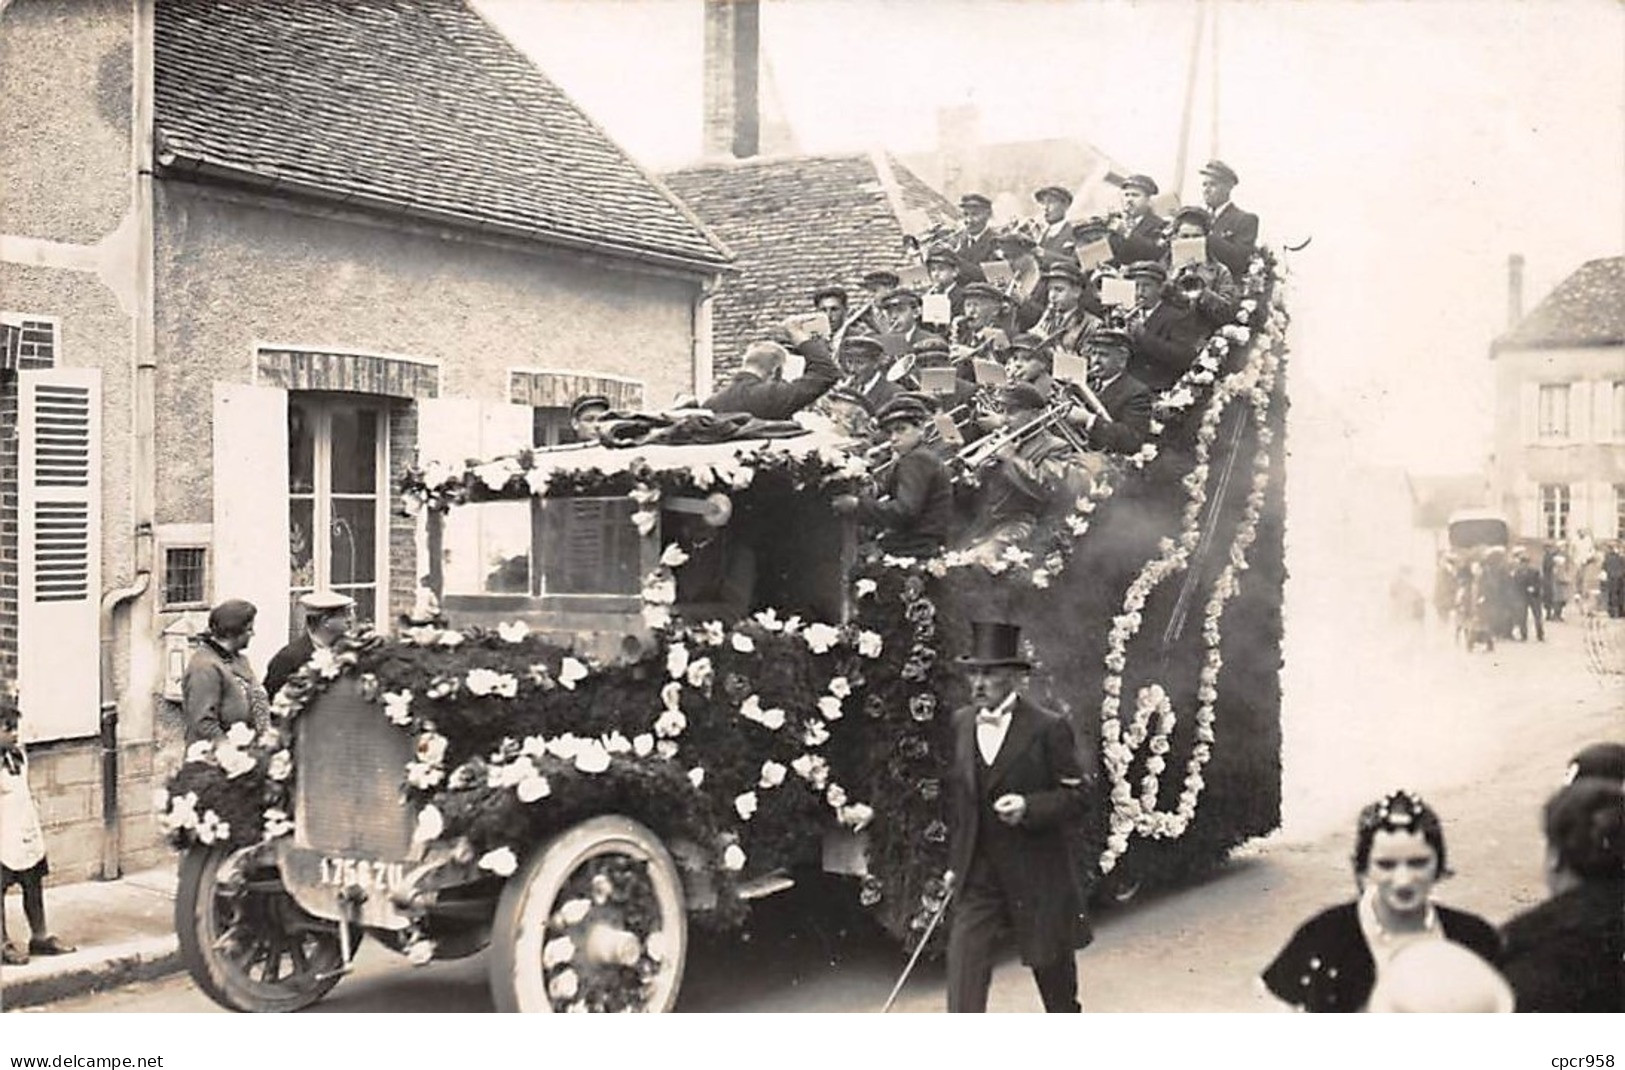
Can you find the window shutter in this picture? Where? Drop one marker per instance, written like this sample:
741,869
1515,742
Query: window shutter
251,507
505,428
448,430
1603,426
1529,411
59,472
1580,428
1533,524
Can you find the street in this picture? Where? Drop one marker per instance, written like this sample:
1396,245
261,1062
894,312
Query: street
1484,737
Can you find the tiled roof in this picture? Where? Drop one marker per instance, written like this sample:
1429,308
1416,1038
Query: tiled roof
413,106
1586,309
796,223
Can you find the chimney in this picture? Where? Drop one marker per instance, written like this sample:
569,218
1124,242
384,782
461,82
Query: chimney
1514,290
732,43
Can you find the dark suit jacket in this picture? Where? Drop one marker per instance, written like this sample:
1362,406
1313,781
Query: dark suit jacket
1032,861
917,505
1144,242
1232,239
1169,343
776,400
287,661
1568,953
1129,402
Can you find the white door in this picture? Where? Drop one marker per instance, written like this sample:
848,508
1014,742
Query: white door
337,500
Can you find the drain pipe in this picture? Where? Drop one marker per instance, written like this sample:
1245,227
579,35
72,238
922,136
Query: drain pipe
112,601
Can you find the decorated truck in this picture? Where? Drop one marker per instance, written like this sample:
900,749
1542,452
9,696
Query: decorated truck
664,677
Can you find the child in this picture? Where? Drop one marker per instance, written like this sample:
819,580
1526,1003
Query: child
22,845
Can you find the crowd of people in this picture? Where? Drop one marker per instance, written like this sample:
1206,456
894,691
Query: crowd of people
1491,593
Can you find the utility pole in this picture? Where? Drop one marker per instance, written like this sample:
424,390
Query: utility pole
1191,65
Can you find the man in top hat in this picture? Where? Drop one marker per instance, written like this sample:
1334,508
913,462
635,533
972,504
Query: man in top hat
973,243
914,505
1137,234
1127,401
585,412
863,358
1055,238
832,302
1066,320
1215,300
1021,479
1234,233
1016,790
1164,338
328,615
758,387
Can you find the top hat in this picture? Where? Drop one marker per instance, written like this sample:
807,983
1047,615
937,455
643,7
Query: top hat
1605,760
994,644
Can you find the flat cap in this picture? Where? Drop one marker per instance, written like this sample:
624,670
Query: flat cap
1067,271
881,277
862,345
850,397
1022,396
975,200
985,290
1144,183
1025,341
941,254
325,601
1220,171
828,291
900,297
931,345
1053,193
1090,229
1109,338
586,403
903,409
1194,214
1146,269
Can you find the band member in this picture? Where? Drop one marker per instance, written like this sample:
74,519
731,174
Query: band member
1029,360
1206,285
973,243
328,616
932,352
1055,238
1234,234
982,328
914,506
943,267
1025,291
585,412
902,312
1127,400
1138,233
758,387
850,413
1065,318
1024,476
832,302
864,360
1015,791
1164,337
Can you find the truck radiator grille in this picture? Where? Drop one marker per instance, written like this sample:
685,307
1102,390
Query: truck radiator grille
352,763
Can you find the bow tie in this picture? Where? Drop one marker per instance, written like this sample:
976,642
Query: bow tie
992,717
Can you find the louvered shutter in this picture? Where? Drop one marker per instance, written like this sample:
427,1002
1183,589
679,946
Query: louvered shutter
59,551
251,508
1581,428
1529,411
1605,415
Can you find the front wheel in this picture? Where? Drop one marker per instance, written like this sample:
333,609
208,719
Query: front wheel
245,941
594,921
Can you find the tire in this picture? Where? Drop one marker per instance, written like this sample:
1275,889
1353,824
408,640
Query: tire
235,944
648,896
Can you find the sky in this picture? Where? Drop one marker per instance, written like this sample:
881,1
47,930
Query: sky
1417,144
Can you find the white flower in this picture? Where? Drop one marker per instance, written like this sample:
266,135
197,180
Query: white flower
644,520
733,859
858,816
240,734
666,749
481,681
501,861
699,673
592,757
233,761
670,724
430,824
564,747
533,788
564,985
743,643
513,631
835,796
676,664
839,687
745,804
769,619
616,743
656,617
673,556
772,719
423,777
280,767
537,479
182,813
557,952
398,707
696,776
772,774
712,633
1040,578
671,695
571,672
821,638
830,708
869,644
277,824
643,744
325,662
815,734
573,912
420,952
431,748
865,587
451,638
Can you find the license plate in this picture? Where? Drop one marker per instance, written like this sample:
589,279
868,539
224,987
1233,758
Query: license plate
368,874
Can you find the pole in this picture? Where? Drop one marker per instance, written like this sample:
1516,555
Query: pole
1213,83
902,979
1180,155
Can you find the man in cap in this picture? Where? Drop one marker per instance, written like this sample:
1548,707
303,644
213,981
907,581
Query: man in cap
328,616
942,264
1164,338
1066,319
1016,248
1022,479
902,311
973,243
983,327
1234,233
758,387
863,357
1137,234
1015,792
914,505
1127,401
931,352
1526,597
1055,237
1205,285
832,302
585,412
1029,360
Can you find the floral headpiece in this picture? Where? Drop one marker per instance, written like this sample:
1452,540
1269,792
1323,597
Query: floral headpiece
1398,811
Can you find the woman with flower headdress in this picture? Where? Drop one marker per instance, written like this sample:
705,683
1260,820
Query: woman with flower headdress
1335,959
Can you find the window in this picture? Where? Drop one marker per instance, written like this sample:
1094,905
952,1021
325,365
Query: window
186,577
551,425
336,497
1616,412
1554,511
1554,410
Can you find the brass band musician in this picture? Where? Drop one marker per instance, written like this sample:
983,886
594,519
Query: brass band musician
1163,336
1065,316
1127,401
1137,234
1026,473
1205,284
1056,241
914,504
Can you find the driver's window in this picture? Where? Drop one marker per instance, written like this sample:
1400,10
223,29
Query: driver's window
487,549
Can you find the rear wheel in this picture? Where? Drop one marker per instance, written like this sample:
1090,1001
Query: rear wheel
245,941
594,921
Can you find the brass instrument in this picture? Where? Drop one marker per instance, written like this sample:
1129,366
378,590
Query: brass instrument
974,455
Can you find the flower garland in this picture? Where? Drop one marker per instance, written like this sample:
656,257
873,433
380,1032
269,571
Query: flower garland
1120,744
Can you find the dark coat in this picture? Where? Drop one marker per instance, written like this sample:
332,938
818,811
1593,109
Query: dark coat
1232,238
916,505
773,399
1144,242
1568,954
1058,246
1326,966
287,661
1032,861
1166,347
1129,402
218,691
